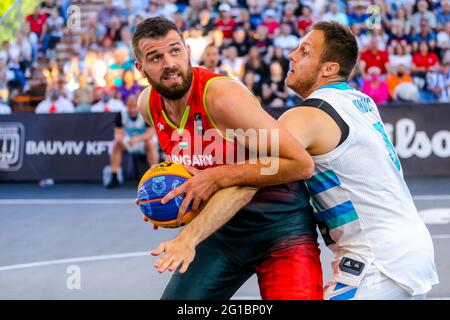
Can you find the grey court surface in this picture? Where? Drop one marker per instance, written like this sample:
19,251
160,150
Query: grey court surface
84,242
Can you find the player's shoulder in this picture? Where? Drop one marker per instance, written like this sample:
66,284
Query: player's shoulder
142,103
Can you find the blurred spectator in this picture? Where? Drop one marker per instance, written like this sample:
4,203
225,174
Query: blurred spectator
305,21
225,22
443,38
373,57
52,32
261,38
423,14
274,92
129,86
256,65
197,43
37,20
52,72
398,35
114,29
289,17
400,75
211,59
375,87
271,22
255,9
232,63
285,39
243,20
253,85
273,5
424,58
95,68
83,96
107,103
276,54
105,15
205,21
399,56
241,41
406,92
438,82
333,14
358,13
425,34
192,12
55,102
443,16
133,135
403,18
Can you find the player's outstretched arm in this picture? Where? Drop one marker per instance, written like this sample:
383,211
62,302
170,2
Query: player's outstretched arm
222,206
231,106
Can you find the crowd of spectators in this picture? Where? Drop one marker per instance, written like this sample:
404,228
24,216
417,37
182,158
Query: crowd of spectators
404,48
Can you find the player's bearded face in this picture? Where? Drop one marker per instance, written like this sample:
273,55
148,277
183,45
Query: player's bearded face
176,90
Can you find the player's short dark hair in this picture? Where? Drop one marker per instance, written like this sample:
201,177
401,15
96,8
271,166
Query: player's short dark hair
340,46
153,28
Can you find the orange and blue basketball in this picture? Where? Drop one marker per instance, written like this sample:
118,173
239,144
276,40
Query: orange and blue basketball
154,185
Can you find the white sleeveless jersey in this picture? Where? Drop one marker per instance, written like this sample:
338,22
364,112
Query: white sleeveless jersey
363,206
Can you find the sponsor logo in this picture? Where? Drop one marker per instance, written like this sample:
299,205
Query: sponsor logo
12,137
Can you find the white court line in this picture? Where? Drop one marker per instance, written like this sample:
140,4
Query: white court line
131,200
115,256
69,201
75,260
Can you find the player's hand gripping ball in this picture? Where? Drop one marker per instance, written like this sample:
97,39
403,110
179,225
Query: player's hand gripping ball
154,185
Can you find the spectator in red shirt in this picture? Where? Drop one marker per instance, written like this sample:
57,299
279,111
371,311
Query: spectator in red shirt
37,20
225,23
373,57
305,21
424,59
270,22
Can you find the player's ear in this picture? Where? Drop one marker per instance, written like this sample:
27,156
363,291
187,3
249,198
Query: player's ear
138,66
330,69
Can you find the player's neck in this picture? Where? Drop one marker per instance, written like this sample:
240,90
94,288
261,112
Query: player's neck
176,108
324,82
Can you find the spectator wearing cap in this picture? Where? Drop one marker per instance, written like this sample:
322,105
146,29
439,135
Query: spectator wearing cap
373,57
423,14
333,14
54,102
285,39
270,22
425,34
399,75
443,15
375,87
225,22
358,13
107,102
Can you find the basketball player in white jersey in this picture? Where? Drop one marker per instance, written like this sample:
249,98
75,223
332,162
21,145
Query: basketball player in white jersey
364,209
365,212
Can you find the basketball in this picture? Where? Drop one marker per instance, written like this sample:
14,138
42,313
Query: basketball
154,185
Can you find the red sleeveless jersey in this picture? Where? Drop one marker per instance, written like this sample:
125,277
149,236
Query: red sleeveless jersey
196,142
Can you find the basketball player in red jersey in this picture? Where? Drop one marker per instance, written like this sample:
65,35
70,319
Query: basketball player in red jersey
271,236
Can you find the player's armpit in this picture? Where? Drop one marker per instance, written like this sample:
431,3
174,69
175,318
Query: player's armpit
142,105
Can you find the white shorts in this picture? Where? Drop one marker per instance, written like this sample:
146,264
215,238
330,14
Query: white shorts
374,286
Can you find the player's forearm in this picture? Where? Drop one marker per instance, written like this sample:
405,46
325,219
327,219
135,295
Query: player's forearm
222,206
268,171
